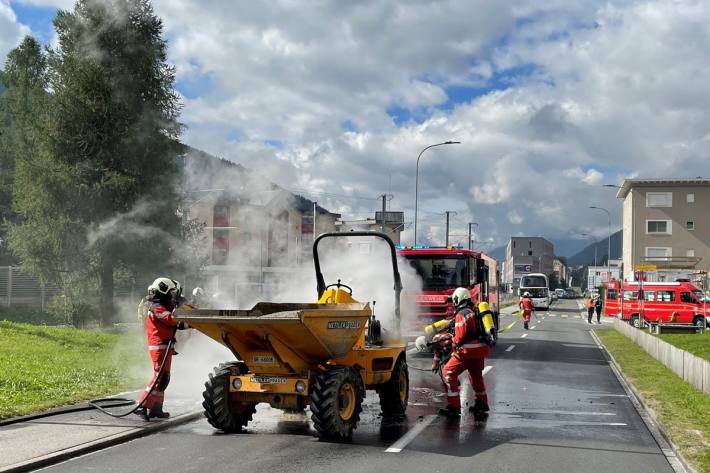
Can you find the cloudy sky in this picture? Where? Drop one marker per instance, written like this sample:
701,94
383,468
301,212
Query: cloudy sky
336,99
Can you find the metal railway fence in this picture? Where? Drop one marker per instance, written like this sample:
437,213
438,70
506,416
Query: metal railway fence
20,288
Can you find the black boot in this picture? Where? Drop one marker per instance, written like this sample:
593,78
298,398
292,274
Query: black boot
157,412
450,411
143,413
479,410
525,325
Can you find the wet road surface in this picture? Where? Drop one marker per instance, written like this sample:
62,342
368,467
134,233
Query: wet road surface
556,406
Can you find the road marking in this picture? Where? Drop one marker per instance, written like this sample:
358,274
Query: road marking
577,316
571,413
533,327
510,348
564,316
508,327
411,435
524,335
553,315
407,438
578,345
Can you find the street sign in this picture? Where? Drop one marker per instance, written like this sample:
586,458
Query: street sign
645,267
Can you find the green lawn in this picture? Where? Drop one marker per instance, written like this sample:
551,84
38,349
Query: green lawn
681,409
695,343
43,367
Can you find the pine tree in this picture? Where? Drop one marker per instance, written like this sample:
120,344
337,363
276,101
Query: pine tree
100,198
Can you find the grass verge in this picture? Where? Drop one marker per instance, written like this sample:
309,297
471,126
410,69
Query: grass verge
683,411
44,367
695,343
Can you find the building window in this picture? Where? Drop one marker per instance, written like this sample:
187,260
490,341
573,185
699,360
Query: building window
220,216
659,226
690,198
220,246
690,225
659,199
658,252
530,244
530,253
690,253
513,243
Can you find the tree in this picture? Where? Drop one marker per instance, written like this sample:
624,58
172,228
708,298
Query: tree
23,99
101,195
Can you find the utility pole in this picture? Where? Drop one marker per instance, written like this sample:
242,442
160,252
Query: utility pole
448,213
384,209
470,242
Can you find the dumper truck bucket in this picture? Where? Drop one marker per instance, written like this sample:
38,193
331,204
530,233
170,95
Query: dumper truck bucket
281,338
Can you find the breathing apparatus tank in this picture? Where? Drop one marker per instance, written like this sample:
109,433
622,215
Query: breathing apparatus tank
437,327
487,323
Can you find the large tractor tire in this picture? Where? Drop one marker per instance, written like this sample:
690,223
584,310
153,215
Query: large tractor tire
336,403
220,411
394,394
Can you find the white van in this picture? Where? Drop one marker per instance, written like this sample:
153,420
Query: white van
538,286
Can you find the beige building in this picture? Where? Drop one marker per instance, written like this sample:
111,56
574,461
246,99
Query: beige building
256,234
666,223
560,270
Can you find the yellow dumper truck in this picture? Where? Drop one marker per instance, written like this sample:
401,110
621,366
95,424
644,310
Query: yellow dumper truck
323,355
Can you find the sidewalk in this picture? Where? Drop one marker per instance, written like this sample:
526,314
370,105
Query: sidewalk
36,443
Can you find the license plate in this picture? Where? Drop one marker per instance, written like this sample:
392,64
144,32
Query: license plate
267,380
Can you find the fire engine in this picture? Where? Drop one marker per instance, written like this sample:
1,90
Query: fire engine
679,302
442,270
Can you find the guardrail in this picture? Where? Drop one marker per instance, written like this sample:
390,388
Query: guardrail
691,368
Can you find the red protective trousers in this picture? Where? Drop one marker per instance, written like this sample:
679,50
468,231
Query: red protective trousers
158,394
454,368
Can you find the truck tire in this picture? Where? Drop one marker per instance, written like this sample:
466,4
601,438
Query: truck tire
336,403
635,321
699,321
221,412
394,394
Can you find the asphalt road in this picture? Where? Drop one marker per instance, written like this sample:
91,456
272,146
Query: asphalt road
556,407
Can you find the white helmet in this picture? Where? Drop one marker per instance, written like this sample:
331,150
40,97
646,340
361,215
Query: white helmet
198,292
527,294
460,296
164,286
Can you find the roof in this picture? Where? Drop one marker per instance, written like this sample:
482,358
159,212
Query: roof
659,182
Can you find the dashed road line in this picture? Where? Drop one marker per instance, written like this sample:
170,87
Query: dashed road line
407,438
564,316
524,335
510,348
533,327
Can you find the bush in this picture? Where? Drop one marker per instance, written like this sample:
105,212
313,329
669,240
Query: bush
29,315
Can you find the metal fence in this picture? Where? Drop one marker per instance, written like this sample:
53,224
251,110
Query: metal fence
18,287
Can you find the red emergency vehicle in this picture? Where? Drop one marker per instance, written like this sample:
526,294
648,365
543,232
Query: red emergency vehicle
662,302
442,270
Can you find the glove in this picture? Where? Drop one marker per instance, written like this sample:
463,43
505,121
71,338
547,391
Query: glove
420,343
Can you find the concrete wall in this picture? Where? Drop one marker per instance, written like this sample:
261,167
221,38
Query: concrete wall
690,368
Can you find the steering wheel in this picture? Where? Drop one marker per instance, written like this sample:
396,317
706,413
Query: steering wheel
339,285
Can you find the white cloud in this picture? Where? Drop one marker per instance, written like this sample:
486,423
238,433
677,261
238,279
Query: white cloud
11,31
586,93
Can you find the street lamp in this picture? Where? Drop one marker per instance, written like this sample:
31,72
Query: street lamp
608,257
416,183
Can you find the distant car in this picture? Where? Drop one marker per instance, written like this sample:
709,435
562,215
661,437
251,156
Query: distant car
561,294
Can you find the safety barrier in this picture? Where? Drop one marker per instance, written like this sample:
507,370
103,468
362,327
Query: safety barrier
691,368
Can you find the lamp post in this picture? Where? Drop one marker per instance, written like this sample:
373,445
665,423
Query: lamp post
416,182
608,255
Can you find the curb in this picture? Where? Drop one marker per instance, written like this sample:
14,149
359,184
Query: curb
100,444
647,414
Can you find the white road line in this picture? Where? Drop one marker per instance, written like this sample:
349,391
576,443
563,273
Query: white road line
571,413
411,435
524,335
533,327
510,348
407,438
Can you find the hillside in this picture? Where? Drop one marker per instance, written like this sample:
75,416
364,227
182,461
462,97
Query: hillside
586,256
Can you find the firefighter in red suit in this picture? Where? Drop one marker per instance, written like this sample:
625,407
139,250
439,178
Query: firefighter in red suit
527,308
471,347
163,297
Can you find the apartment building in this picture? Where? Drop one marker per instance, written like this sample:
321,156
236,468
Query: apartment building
666,223
525,255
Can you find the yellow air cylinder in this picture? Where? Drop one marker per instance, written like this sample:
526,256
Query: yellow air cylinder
436,327
486,316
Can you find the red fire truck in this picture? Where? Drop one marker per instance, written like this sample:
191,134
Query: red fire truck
442,270
662,302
